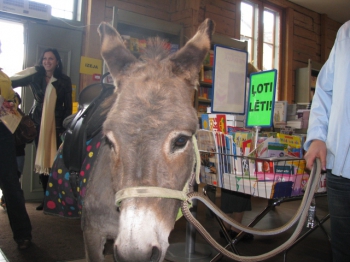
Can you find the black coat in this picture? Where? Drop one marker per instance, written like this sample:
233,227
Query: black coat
63,107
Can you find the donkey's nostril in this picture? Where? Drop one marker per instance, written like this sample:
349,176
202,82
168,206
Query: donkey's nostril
155,255
115,252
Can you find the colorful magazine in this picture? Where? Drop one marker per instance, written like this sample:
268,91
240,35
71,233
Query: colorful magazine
208,149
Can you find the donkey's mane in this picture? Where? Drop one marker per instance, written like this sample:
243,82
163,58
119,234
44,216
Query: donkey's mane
156,49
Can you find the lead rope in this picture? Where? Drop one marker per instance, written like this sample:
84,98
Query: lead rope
300,215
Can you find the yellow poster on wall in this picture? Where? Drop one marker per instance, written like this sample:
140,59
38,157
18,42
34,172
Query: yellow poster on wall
90,66
74,93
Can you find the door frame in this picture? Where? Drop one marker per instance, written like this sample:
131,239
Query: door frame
38,37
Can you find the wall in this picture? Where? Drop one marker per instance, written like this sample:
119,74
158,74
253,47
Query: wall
306,34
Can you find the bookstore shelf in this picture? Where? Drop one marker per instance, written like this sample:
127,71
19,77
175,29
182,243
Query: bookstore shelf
270,178
276,176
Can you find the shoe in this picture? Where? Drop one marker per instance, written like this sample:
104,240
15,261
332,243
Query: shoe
233,235
40,207
24,244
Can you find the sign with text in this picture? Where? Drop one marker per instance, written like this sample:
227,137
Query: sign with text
90,66
261,98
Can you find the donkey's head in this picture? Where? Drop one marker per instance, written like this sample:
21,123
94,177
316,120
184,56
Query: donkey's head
149,130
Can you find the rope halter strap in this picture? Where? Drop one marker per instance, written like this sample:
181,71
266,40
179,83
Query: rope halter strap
161,192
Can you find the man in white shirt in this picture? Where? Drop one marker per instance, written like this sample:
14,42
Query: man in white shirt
328,138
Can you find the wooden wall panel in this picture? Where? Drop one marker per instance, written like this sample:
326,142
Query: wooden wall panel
299,46
308,35
286,91
177,16
91,43
224,25
143,9
237,34
328,35
220,11
226,5
305,33
303,21
186,13
162,5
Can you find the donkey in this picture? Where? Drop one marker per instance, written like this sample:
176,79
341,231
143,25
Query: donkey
147,145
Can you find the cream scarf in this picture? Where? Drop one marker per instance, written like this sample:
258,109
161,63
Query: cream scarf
47,148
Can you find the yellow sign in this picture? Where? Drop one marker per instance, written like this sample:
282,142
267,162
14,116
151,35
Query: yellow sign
90,66
74,93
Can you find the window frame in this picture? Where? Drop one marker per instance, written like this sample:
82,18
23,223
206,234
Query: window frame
259,6
76,12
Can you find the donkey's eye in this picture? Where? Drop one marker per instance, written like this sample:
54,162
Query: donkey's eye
109,143
180,141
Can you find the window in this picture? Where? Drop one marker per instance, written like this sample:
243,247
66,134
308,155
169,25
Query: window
67,9
248,29
260,26
12,47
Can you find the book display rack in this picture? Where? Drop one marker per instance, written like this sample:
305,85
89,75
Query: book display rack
277,177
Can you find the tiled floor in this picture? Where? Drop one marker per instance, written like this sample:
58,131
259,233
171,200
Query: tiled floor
68,237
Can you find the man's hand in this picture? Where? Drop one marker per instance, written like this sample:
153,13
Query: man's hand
317,149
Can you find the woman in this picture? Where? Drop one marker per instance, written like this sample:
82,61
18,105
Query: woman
10,185
52,91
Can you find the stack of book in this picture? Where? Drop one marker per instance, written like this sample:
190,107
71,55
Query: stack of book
297,123
294,116
280,114
303,115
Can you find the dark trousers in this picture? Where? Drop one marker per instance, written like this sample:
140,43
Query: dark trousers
338,193
11,188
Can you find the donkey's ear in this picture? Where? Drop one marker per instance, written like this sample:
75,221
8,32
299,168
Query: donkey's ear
113,50
188,60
